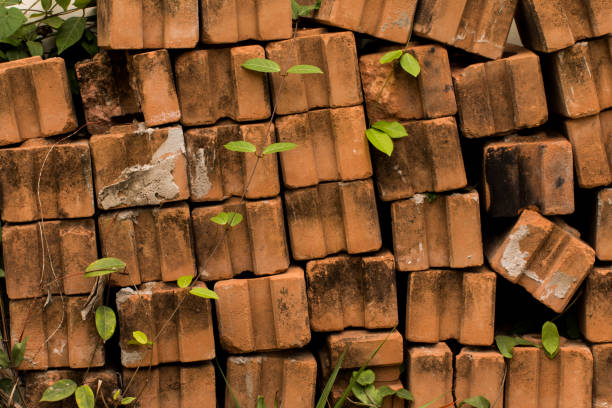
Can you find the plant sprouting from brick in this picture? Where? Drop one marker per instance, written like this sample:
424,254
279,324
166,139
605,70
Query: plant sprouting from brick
297,10
550,342
367,393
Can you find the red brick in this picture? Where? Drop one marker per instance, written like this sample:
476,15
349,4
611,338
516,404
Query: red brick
212,85
187,336
330,146
479,372
429,374
216,173
501,96
429,95
257,244
601,239
428,159
287,377
35,100
70,246
335,54
602,377
352,291
155,243
359,345
549,262
443,231
527,171
66,188
135,167
263,314
333,217
596,308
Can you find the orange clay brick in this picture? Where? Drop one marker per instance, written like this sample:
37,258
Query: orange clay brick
352,291
65,184
602,227
263,314
526,171
335,54
429,95
602,375
287,377
258,244
443,231
333,217
330,146
549,262
429,374
70,246
498,97
446,304
596,307
478,372
155,243
35,100
216,173
212,85
187,337
428,159
135,167
230,21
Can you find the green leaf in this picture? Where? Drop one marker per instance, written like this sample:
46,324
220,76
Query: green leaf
385,391
234,219
373,395
35,48
26,32
304,69
70,33
46,4
18,352
367,377
394,129
81,4
391,56
5,361
204,293
104,266
63,3
53,21
106,322
10,21
222,218
6,385
240,146
260,402
279,147
261,65
62,389
410,64
431,197
359,393
140,337
505,345
321,403
550,339
17,53
90,48
84,397
297,10
519,341
127,400
380,140
116,394
476,402
184,281
404,394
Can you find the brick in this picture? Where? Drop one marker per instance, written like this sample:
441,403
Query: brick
257,244
549,262
443,231
69,247
186,337
528,171
234,21
548,26
446,304
135,167
212,85
35,100
601,239
65,185
429,374
216,173
139,24
338,86
287,377
333,217
331,146
501,96
184,386
429,95
359,345
72,341
479,372
596,306
429,159
155,243
352,291
602,377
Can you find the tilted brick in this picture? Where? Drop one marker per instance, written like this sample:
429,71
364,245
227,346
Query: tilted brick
602,375
601,238
596,306
479,372
429,374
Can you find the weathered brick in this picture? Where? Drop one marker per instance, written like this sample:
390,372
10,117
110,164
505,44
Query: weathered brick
186,337
212,85
428,159
35,100
138,24
258,244
135,167
443,231
155,243
446,304
335,54
31,271
333,217
429,374
549,262
596,308
525,171
404,97
65,184
287,377
602,375
601,238
352,291
216,173
501,96
331,146
263,314
479,372
359,345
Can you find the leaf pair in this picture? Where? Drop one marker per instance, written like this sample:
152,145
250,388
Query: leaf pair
225,218
246,147
381,134
407,61
269,66
124,400
550,342
205,293
63,389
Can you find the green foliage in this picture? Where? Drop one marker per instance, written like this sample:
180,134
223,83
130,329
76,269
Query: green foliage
84,397
279,147
106,322
394,130
476,402
321,403
18,352
11,19
184,281
127,400
366,392
224,218
5,361
69,33
304,69
62,389
297,10
35,48
391,56
380,140
116,394
260,402
261,65
366,378
550,339
204,293
410,64
431,197
240,146
139,338
104,266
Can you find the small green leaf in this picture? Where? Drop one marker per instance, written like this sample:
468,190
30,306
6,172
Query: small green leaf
261,65
18,352
476,402
367,377
81,4
35,48
410,64
505,345
62,389
10,21
322,401
373,395
53,21
116,394
297,10
127,400
431,197
240,146
6,385
46,4
106,322
394,129
359,393
204,293
380,140
260,402
234,219
391,56
385,391
140,337
90,48
222,218
550,339
279,147
104,266
84,397
2,273
5,361
404,394
70,33
63,3
304,69
184,281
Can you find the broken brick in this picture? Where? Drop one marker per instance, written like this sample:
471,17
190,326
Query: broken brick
596,308
549,262
429,374
333,217
602,229
263,314
478,372
602,375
